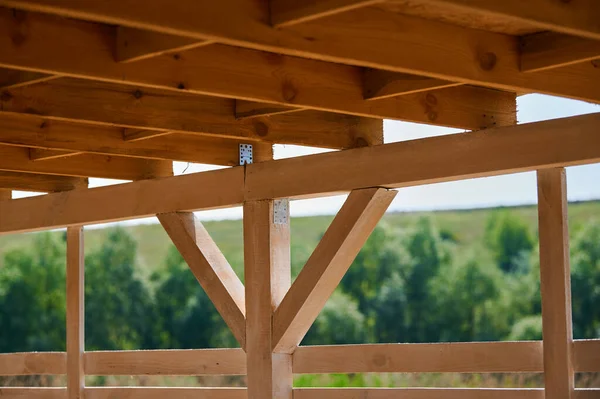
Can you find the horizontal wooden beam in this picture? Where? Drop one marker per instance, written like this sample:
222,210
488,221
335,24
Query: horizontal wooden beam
569,17
5,193
34,131
249,75
471,357
137,44
166,362
549,50
559,142
290,12
10,79
39,154
33,393
40,183
586,355
380,84
149,112
252,109
33,363
161,393
16,159
422,47
419,393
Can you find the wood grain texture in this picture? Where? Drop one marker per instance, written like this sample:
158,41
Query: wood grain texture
290,12
166,362
42,183
549,50
211,269
555,282
146,112
10,79
33,363
33,393
559,142
327,265
210,190
586,355
233,72
161,393
471,357
39,154
380,84
137,44
418,393
267,271
5,194
16,159
359,37
252,109
75,312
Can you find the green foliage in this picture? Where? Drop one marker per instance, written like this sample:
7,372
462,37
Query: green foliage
508,237
527,329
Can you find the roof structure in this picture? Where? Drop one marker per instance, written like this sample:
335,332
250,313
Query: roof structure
120,89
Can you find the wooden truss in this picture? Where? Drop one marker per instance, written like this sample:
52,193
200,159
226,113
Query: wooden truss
120,89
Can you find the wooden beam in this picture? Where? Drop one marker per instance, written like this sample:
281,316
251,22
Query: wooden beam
380,84
33,363
470,357
151,113
419,393
541,145
421,47
32,131
10,79
549,50
5,194
575,18
166,362
137,44
160,393
559,142
327,265
555,277
16,159
586,355
33,393
40,183
290,12
267,271
210,268
75,313
252,109
258,76
39,154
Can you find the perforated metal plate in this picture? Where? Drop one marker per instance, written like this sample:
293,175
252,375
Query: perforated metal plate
281,211
245,154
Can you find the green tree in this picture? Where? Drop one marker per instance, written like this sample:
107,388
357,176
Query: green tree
508,237
527,329
391,311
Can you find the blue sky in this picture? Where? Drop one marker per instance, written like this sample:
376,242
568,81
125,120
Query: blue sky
583,181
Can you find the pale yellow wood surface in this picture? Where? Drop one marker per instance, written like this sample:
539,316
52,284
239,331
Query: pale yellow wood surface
39,154
75,312
327,265
33,363
40,183
145,111
548,50
33,393
380,84
16,159
232,72
130,134
211,269
267,272
418,393
555,282
166,362
356,37
162,393
488,357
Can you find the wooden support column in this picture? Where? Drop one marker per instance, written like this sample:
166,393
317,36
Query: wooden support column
75,313
555,283
268,277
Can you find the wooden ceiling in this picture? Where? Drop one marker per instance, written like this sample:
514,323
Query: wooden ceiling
121,88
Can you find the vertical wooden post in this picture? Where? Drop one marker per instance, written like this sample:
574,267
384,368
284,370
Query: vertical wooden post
555,283
267,278
5,194
75,313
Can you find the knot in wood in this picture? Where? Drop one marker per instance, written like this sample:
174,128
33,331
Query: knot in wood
261,129
5,96
138,94
487,61
289,92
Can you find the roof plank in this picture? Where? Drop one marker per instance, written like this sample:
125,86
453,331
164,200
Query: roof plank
290,12
548,50
382,84
40,183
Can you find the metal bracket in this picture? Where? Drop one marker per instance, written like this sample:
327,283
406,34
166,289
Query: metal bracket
245,154
281,211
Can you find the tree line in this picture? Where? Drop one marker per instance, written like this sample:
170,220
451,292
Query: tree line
411,284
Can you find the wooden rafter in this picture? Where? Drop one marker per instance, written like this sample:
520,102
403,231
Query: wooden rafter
75,312
5,194
39,154
210,268
540,145
10,79
151,113
253,109
40,183
380,84
327,265
226,71
16,159
290,12
421,47
549,50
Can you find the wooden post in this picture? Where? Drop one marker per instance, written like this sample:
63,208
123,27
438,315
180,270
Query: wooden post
75,313
268,276
555,283
5,194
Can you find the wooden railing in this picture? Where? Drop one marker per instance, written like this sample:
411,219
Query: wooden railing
472,357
